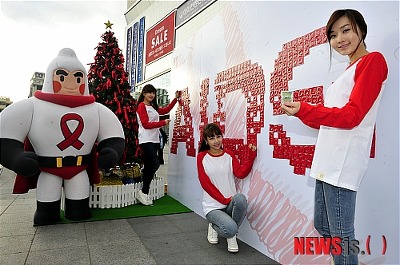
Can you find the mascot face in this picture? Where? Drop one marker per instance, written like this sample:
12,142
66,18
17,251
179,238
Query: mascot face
68,83
66,75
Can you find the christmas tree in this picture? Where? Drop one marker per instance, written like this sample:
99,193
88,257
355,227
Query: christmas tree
108,82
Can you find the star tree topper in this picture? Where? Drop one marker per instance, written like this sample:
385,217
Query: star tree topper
108,24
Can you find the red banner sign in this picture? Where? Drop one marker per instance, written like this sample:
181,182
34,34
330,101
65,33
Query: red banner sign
160,39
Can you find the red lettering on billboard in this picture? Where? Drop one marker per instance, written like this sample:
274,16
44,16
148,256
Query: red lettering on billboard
292,55
183,128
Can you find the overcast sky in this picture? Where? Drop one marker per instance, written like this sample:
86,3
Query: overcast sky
33,32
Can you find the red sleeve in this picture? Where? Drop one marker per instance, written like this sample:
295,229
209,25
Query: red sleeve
167,109
241,171
311,124
144,118
206,183
370,73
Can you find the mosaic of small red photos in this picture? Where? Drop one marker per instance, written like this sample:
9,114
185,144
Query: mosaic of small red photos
292,55
299,156
183,130
247,77
204,91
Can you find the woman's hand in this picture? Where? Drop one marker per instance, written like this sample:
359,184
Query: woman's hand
290,108
178,94
252,147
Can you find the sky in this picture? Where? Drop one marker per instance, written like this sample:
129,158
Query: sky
33,32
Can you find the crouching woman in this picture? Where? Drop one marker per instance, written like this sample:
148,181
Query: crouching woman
217,168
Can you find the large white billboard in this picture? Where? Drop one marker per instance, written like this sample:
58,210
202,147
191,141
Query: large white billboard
232,71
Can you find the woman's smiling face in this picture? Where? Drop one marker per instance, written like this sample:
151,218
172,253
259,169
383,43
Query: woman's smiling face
215,143
149,96
344,38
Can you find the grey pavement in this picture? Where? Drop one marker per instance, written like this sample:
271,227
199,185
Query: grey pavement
168,239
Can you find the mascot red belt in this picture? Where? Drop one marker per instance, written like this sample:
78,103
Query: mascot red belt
65,128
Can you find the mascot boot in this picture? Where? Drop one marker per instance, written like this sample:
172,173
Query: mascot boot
47,213
77,210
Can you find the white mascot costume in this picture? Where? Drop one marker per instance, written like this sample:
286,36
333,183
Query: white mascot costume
67,133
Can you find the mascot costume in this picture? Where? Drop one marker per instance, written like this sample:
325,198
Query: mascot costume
56,139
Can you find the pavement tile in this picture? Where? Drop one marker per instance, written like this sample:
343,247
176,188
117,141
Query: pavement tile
109,232
14,259
22,208
77,255
59,236
4,204
195,257
192,222
26,199
161,246
153,228
16,217
17,229
127,252
15,244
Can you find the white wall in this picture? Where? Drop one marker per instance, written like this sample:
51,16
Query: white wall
281,202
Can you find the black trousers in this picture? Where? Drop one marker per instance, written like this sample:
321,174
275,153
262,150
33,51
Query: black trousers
161,156
151,164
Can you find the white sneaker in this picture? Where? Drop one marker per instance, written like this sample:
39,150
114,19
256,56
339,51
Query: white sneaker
149,200
212,235
143,198
232,244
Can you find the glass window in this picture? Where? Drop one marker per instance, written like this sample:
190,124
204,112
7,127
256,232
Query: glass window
163,84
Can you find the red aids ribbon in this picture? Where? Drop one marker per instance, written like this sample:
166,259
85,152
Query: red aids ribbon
71,138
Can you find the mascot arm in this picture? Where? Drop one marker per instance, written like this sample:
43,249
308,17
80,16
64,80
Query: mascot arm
15,158
15,122
111,138
110,152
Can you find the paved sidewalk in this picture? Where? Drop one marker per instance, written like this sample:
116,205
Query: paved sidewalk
169,239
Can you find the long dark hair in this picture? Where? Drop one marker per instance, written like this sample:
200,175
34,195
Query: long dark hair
149,88
209,130
356,19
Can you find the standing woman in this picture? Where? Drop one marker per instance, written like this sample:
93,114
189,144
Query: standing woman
148,114
217,168
346,126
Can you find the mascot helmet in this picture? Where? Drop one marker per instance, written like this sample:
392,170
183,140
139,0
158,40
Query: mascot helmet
66,59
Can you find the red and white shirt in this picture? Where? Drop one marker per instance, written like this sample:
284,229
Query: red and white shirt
217,177
346,122
149,121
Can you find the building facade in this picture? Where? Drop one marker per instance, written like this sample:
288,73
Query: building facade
154,14
36,83
4,102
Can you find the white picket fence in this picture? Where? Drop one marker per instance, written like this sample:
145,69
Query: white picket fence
118,196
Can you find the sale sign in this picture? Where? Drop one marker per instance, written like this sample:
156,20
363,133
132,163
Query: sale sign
160,39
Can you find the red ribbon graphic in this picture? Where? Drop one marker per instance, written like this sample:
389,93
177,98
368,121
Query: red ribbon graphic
71,138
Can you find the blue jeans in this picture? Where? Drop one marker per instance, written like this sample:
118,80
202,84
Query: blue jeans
150,164
334,213
226,221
